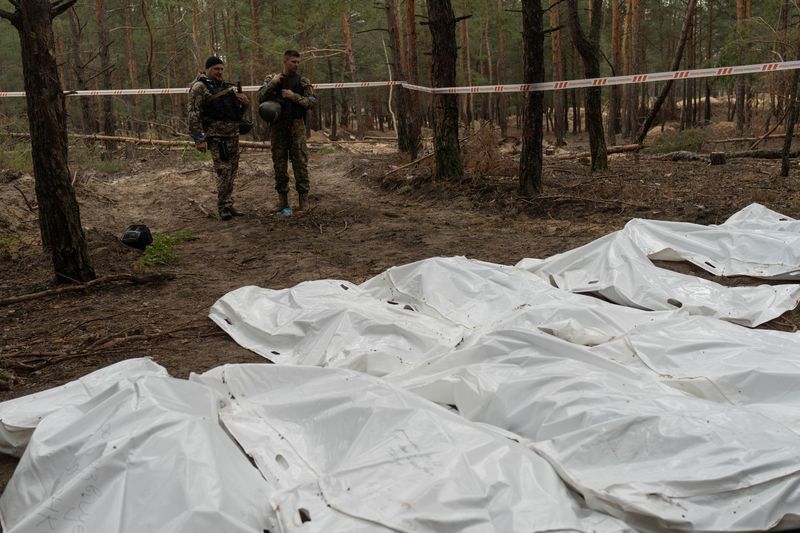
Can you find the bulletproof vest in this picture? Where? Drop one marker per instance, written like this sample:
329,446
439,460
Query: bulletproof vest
289,109
225,107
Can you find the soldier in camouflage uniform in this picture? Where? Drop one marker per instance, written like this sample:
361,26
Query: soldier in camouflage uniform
215,112
288,133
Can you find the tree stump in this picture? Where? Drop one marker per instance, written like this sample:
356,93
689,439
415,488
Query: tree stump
717,158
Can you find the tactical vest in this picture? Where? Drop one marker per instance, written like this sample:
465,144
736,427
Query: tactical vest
224,108
290,110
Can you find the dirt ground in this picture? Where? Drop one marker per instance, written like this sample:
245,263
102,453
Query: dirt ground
361,223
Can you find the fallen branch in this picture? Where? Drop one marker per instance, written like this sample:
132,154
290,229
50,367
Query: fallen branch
428,156
25,198
84,286
748,139
580,199
625,148
682,155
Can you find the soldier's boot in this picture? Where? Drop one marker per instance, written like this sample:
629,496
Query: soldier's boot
283,202
225,213
235,212
303,202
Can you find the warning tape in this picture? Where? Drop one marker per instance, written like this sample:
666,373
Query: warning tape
514,88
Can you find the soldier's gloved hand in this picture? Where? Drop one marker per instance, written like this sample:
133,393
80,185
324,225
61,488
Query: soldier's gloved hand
288,94
201,146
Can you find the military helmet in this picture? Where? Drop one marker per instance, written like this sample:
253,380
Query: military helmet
270,111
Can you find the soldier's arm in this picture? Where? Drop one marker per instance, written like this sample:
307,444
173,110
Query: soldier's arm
307,98
195,115
269,90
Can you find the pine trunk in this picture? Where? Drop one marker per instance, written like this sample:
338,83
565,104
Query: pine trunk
501,102
88,120
531,160
107,69
589,48
616,65
676,61
59,214
408,136
627,132
351,67
741,87
559,73
412,73
442,25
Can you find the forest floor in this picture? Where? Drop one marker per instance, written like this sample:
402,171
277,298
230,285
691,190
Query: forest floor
362,222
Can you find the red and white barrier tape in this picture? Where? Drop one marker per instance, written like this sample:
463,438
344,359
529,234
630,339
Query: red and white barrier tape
515,88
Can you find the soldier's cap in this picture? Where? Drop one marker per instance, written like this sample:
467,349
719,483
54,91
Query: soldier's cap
213,60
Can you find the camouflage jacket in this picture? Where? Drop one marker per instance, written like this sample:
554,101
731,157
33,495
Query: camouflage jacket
198,98
272,91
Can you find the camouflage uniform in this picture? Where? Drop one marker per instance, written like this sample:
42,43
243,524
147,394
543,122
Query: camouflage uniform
288,136
222,137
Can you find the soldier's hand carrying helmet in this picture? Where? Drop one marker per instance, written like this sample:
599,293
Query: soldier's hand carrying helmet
270,111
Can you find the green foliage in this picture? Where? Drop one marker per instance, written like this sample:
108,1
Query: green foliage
91,156
7,245
674,141
162,251
16,156
191,154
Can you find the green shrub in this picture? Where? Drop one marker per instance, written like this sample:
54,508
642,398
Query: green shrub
675,141
162,251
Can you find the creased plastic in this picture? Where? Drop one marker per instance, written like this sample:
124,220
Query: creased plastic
20,416
143,456
348,452
616,267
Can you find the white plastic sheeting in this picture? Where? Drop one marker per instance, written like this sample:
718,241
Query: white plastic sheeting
755,242
20,416
313,324
706,448
349,452
647,453
142,456
616,267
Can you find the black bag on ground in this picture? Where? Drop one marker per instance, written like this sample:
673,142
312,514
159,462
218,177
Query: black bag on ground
137,236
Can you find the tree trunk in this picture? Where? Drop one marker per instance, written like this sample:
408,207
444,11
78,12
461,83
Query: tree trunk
627,52
470,101
501,102
741,87
412,73
127,33
616,65
150,53
676,62
88,120
636,66
443,70
531,160
408,132
791,120
334,135
792,111
589,49
559,73
351,65
107,69
59,214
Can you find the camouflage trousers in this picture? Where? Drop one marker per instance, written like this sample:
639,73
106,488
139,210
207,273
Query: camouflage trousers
225,153
288,139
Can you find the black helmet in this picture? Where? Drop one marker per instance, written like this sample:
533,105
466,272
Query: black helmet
270,111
